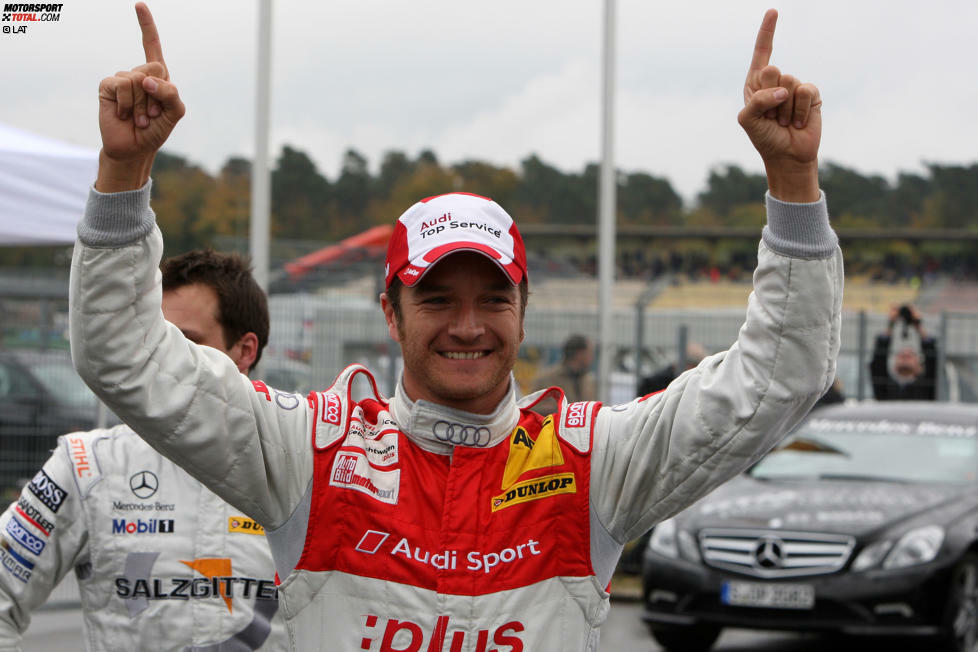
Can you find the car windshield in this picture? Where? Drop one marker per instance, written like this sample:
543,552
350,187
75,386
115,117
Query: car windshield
875,450
61,380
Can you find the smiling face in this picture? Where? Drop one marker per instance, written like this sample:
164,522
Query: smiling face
459,328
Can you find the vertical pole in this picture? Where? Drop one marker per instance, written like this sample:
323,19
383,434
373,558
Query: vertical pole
606,207
862,358
940,378
682,341
639,342
260,176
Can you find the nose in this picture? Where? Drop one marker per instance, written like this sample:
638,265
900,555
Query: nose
466,324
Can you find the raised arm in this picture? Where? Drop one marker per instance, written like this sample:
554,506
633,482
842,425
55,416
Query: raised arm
657,455
189,402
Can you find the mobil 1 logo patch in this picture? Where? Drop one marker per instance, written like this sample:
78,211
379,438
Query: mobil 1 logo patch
47,491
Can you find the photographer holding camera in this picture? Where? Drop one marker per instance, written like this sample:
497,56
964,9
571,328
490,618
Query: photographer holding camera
904,365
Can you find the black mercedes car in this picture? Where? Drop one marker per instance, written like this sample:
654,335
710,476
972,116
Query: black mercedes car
864,521
42,397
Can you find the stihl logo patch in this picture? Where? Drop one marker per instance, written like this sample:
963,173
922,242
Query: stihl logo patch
408,636
545,487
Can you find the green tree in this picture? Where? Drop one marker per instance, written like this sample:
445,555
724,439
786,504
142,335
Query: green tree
180,190
300,198
956,195
730,187
644,199
848,191
352,193
394,167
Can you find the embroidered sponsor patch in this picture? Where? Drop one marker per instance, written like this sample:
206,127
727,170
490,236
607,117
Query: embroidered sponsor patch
245,525
23,536
47,491
526,454
32,514
142,526
351,470
576,415
13,563
80,456
332,408
527,490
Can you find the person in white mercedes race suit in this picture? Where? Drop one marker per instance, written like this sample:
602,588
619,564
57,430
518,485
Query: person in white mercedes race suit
450,516
162,563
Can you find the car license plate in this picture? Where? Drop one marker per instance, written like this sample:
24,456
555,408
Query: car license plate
772,595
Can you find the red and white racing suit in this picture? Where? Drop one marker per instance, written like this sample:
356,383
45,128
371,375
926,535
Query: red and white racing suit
162,563
399,525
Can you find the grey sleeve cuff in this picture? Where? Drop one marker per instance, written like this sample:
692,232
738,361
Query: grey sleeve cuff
116,219
799,230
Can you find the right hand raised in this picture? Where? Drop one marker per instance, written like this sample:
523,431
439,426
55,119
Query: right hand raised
137,111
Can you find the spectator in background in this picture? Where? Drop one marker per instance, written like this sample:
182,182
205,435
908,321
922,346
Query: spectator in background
661,379
573,374
904,369
134,526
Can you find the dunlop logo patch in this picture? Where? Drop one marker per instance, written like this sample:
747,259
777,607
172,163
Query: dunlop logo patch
543,487
245,525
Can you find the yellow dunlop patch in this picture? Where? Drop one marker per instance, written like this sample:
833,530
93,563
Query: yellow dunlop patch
528,455
545,487
245,525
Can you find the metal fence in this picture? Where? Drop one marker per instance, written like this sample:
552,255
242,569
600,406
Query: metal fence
316,333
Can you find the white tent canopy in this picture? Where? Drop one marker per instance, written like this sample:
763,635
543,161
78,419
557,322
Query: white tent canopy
43,188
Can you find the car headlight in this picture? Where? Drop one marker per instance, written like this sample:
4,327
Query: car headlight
663,539
872,555
918,546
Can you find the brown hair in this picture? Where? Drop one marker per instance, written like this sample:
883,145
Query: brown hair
242,305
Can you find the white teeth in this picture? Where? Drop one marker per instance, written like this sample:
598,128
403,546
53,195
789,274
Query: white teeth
463,355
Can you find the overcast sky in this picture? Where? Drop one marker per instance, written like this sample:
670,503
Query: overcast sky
500,80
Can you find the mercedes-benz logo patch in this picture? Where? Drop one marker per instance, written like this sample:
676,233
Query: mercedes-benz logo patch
769,552
144,484
461,434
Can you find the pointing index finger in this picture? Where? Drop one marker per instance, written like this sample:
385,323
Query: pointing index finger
151,38
764,44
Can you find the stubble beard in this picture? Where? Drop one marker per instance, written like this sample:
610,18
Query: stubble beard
444,391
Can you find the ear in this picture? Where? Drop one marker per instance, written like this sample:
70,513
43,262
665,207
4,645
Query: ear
389,317
245,351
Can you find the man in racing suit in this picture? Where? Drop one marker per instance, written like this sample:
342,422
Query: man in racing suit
451,517
161,561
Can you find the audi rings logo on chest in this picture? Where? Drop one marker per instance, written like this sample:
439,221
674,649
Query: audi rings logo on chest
461,434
